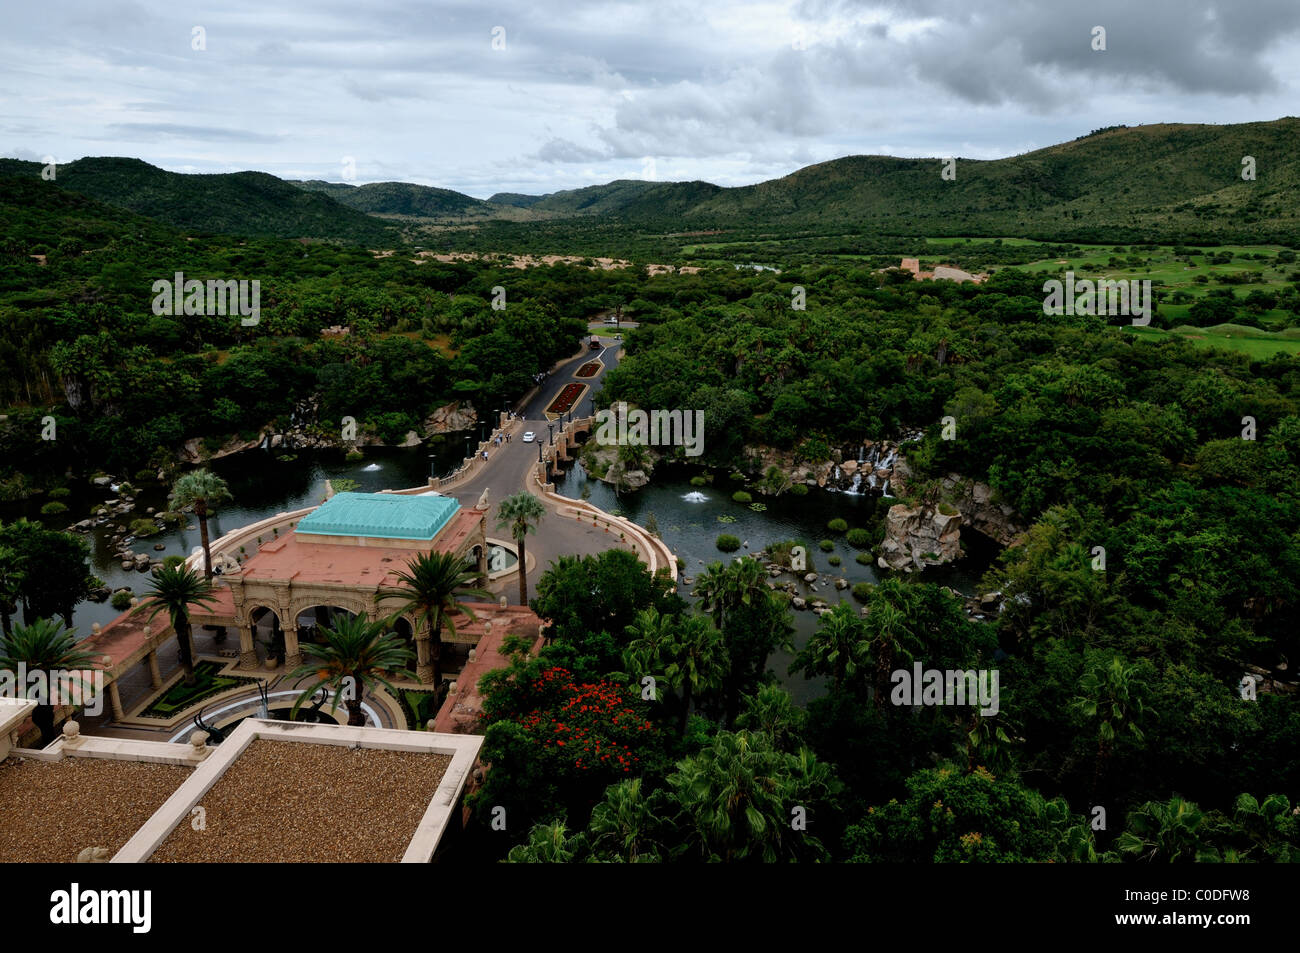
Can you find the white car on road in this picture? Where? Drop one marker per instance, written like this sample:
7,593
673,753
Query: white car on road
529,437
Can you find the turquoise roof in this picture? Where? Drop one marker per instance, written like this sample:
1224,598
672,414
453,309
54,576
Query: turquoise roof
385,515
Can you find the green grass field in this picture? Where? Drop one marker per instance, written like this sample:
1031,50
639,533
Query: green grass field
1233,337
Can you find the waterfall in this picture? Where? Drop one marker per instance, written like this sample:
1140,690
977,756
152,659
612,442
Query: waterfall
837,474
871,480
857,482
874,455
884,492
886,463
861,452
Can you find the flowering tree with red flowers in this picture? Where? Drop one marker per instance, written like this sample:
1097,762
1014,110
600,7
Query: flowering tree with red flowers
555,743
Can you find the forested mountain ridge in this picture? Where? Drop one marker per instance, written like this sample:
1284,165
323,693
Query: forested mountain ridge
234,203
1163,182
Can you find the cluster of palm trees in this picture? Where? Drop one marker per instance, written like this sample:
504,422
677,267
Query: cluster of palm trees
693,655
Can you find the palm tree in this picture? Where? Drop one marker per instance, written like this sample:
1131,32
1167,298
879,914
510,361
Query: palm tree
356,654
1176,831
890,638
838,648
697,662
204,491
520,514
1112,696
431,587
737,793
43,646
173,590
649,634
711,586
625,823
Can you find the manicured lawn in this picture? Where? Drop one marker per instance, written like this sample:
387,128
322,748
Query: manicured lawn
1256,344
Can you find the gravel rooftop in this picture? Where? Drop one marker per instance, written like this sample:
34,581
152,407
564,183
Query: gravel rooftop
284,801
51,810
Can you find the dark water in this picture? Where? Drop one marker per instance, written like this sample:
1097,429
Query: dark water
265,483
691,530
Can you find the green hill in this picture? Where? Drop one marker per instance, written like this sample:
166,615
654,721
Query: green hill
402,199
236,203
1168,183
1179,181
1171,182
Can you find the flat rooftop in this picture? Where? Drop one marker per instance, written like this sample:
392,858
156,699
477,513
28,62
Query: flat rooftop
380,515
51,811
300,558
285,801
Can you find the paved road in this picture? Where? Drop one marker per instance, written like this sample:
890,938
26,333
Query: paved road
509,470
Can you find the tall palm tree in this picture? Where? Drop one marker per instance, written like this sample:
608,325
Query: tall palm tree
1111,696
697,662
890,637
173,589
43,646
520,514
711,586
204,491
649,634
356,654
431,588
838,648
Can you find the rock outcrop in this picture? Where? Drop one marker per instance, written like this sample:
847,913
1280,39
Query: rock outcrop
916,537
981,512
450,418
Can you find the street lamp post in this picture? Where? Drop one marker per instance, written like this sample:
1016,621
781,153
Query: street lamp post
550,434
431,470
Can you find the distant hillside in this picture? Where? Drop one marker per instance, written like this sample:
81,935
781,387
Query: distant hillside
402,199
1176,182
236,203
515,199
36,213
1167,183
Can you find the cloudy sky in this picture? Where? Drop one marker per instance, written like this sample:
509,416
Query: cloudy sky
537,95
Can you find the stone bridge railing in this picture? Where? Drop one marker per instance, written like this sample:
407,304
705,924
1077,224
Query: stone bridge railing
652,550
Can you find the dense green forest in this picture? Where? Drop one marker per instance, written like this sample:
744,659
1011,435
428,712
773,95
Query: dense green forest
1121,683
1121,686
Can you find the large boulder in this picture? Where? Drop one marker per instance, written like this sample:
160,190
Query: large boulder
451,417
917,537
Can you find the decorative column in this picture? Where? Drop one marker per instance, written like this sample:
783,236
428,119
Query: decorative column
115,701
155,675
292,655
247,650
